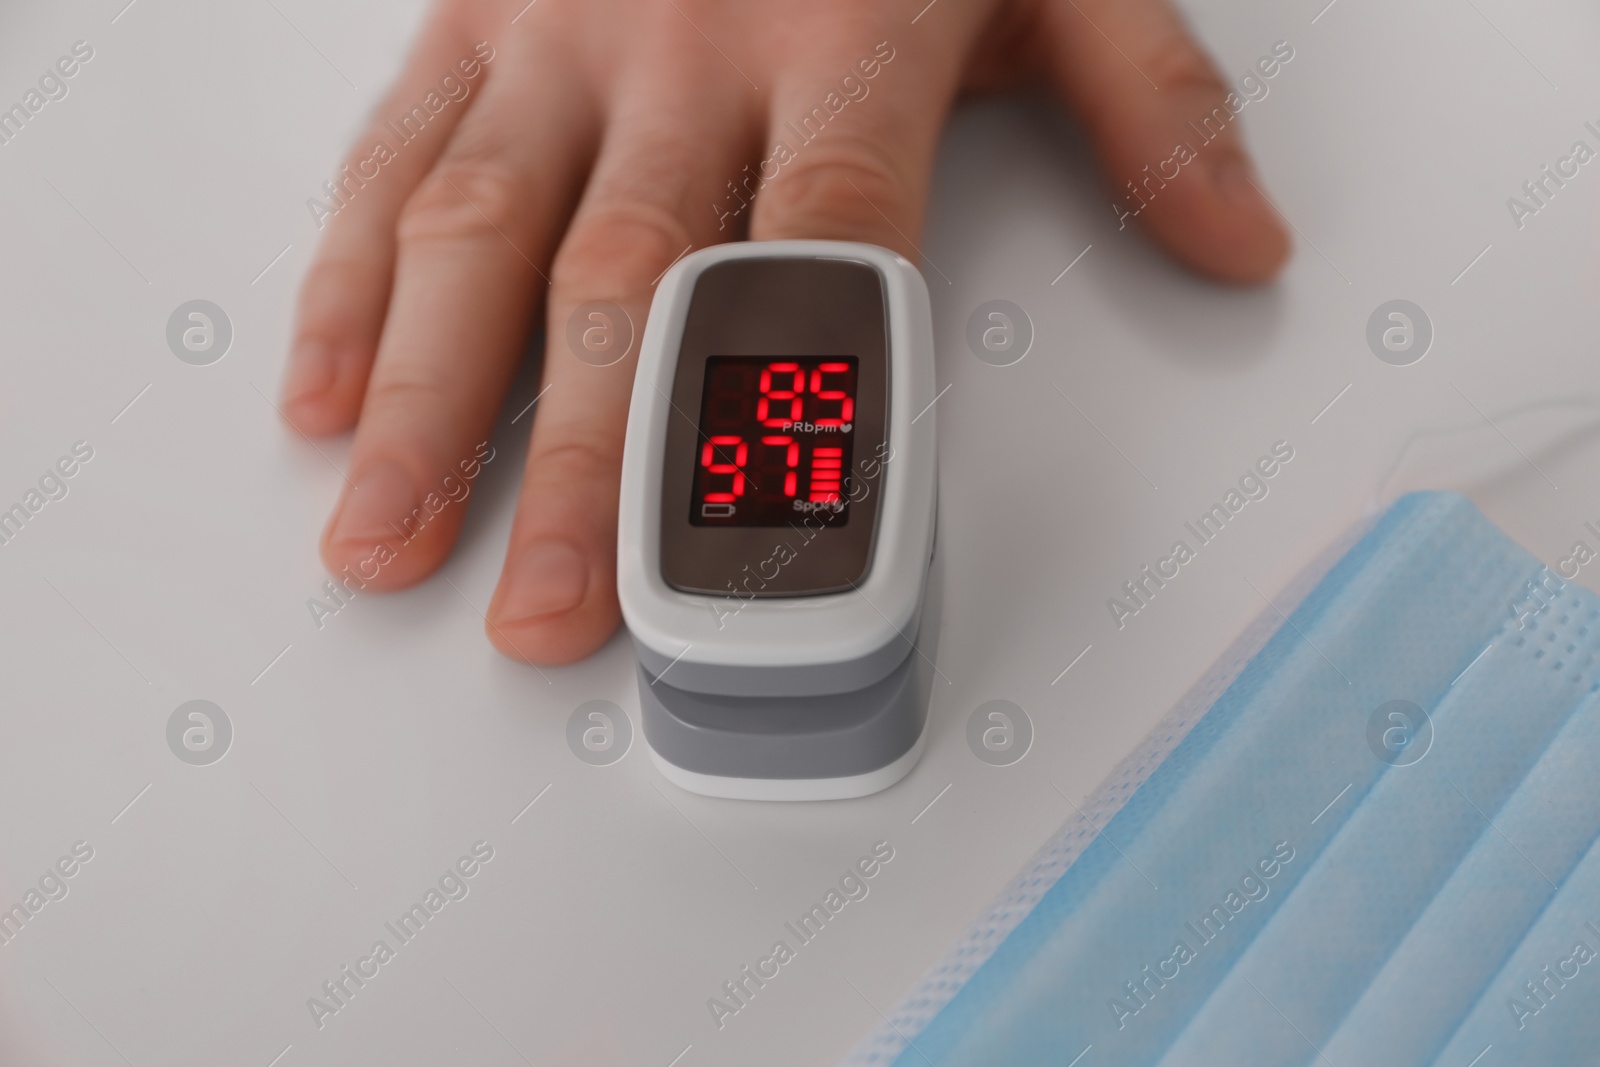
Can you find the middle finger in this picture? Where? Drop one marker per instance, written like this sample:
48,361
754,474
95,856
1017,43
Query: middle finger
680,132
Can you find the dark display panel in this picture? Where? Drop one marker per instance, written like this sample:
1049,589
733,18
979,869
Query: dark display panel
746,316
775,440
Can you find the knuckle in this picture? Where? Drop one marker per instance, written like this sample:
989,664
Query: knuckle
617,251
833,190
1174,61
464,201
405,393
589,460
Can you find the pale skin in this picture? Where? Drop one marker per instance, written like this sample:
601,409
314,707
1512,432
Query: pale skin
589,154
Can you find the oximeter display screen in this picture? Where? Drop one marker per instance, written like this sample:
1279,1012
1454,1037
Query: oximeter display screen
774,440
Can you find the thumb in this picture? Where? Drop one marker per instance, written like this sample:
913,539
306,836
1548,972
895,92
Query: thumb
1160,118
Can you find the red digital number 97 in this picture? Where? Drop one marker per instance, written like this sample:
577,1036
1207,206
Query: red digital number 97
714,458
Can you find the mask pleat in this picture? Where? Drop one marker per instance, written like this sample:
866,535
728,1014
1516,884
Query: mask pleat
1391,859
1278,785
1539,1008
1451,957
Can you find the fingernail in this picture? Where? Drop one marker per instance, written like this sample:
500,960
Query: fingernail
311,372
1235,181
382,495
547,577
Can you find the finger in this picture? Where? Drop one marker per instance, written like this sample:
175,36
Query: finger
853,128
1150,98
674,141
474,242
346,292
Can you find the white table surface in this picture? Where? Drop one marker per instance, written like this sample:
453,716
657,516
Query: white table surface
376,750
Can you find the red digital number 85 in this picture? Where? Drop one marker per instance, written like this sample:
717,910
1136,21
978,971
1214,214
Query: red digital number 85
791,382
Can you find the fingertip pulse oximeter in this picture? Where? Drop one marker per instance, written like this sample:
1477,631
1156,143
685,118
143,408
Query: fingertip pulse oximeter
776,521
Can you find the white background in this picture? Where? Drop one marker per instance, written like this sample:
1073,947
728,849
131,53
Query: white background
377,749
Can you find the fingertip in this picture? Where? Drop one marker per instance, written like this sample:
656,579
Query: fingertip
554,605
318,399
545,578
317,415
557,639
552,641
384,566
1166,125
1218,223
1259,244
387,534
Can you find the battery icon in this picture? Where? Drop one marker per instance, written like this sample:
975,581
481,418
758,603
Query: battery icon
716,511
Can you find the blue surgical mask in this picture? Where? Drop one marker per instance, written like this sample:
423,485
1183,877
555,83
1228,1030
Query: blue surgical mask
1380,833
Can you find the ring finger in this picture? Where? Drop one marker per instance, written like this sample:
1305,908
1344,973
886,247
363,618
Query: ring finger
473,243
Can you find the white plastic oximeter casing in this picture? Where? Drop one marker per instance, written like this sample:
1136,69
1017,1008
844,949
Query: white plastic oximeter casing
749,689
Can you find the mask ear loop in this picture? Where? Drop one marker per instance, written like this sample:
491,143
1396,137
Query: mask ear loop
1382,496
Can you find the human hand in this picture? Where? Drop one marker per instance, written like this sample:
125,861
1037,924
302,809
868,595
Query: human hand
579,147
